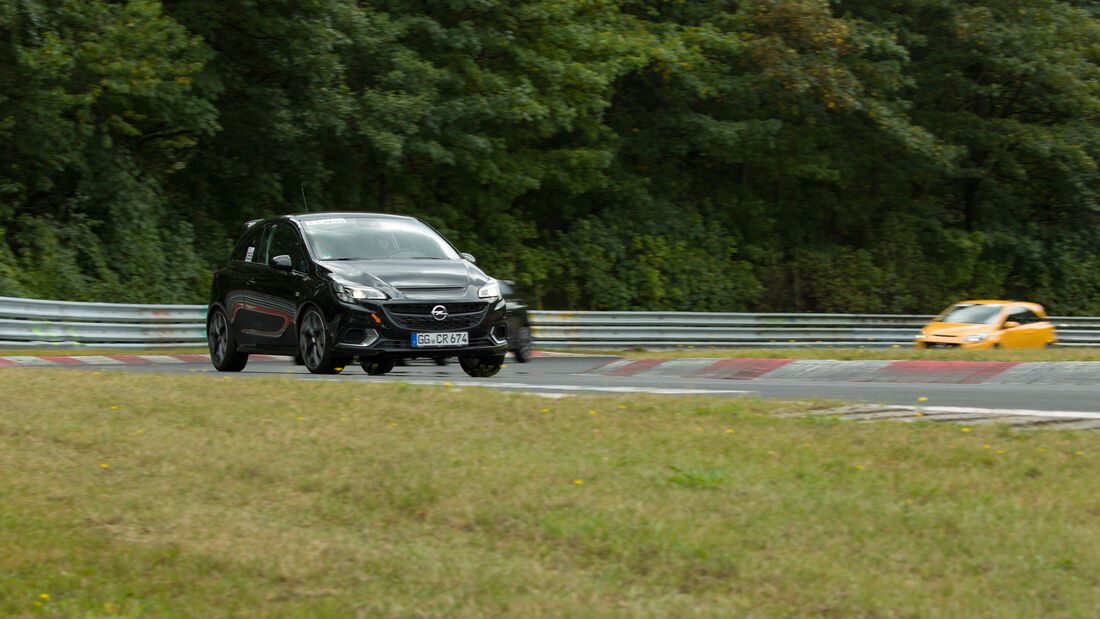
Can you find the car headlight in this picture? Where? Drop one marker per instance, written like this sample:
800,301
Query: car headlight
489,291
352,293
976,338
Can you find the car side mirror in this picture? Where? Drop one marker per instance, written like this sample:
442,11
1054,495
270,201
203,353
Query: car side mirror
468,257
282,263
1011,324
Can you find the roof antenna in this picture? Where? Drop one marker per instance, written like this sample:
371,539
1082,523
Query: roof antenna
304,197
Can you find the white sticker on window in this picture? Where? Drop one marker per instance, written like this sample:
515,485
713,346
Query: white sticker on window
319,222
248,254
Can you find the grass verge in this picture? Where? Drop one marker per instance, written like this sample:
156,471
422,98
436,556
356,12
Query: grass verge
134,495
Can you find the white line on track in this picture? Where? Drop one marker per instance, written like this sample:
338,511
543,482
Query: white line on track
559,391
1001,411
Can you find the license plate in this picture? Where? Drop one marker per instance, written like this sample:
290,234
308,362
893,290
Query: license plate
429,340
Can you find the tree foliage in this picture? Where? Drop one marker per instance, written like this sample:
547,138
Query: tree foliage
768,155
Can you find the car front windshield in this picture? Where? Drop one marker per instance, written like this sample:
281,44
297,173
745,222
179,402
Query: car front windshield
375,238
974,314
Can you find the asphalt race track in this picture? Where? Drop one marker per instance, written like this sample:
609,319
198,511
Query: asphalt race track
1069,390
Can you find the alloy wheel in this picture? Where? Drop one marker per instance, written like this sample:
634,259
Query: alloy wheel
317,356
526,346
482,366
378,367
224,355
313,340
219,342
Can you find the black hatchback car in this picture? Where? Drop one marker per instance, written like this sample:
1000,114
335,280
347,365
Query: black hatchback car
334,288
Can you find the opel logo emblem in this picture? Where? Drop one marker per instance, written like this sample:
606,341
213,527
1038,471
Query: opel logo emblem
439,312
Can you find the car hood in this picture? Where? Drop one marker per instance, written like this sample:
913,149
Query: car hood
410,278
954,329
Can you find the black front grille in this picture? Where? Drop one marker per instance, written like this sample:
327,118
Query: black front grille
450,323
418,316
940,345
426,308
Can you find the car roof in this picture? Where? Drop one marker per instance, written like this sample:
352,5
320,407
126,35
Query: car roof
332,214
303,217
1032,306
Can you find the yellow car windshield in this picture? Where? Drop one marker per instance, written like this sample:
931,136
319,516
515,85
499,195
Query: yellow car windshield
978,314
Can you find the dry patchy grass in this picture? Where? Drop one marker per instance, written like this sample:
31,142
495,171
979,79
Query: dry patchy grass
202,496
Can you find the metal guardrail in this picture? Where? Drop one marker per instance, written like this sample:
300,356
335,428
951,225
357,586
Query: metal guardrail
617,330
654,330
34,323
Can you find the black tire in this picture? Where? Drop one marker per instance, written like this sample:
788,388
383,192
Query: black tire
377,367
223,348
481,367
440,360
524,345
314,346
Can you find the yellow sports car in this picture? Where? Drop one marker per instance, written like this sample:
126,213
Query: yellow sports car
989,324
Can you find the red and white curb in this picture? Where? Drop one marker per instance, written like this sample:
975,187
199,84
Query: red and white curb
48,360
55,360
959,372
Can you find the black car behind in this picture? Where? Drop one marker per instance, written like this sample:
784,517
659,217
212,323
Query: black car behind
520,339
334,288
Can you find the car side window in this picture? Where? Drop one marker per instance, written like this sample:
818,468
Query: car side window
1028,317
283,240
245,251
1022,316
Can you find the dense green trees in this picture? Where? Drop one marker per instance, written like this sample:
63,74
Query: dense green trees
97,112
770,155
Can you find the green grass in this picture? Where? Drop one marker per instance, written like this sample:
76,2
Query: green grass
208,496
901,354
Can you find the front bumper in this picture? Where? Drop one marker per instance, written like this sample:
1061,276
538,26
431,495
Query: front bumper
386,330
932,343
